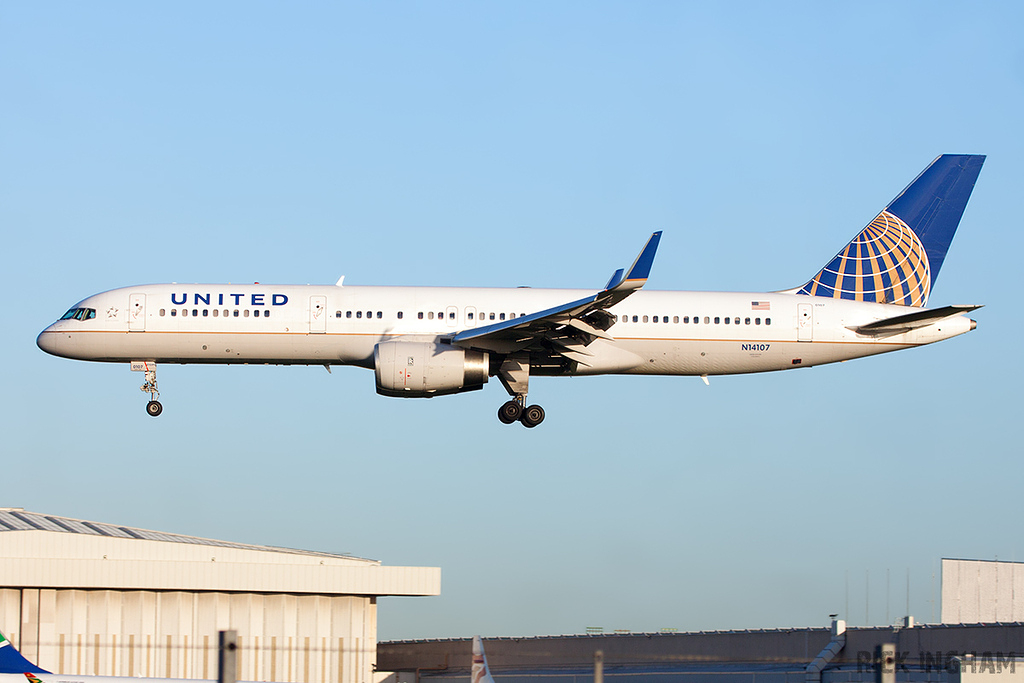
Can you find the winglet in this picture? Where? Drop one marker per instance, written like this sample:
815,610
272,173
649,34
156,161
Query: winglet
480,672
11,661
637,274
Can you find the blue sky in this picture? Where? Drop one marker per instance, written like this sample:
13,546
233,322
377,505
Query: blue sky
501,145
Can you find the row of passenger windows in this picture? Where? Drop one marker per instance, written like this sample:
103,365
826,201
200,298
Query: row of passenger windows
718,320
440,315
421,315
195,312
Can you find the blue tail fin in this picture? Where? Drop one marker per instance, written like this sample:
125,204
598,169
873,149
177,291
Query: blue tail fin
11,661
897,258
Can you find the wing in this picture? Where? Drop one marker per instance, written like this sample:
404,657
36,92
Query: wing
564,330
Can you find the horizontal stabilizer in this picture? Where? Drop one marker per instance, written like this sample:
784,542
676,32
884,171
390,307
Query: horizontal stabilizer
911,321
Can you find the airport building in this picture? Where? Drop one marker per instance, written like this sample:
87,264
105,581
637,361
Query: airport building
90,598
961,653
980,640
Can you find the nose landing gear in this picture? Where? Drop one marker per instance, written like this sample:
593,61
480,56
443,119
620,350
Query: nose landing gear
153,408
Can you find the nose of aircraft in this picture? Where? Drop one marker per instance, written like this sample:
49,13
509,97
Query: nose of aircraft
47,341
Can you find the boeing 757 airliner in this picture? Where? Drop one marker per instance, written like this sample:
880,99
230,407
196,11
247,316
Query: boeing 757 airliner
431,341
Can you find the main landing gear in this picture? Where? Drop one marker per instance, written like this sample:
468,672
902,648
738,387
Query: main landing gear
515,377
153,407
516,411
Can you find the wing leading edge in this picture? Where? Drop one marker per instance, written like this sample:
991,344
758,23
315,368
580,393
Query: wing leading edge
566,329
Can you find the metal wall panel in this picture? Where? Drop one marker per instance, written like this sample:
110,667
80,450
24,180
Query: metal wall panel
284,638
981,592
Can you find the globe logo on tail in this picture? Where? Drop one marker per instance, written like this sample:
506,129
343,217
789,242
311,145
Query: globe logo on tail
885,263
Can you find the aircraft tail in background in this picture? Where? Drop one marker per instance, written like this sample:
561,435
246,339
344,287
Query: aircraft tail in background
11,661
897,257
480,673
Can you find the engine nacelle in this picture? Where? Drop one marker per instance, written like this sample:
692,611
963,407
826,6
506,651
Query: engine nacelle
427,369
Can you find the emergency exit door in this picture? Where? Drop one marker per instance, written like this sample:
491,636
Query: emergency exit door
317,314
804,322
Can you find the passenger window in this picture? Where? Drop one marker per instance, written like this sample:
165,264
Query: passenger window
645,318
206,312
184,312
469,316
707,320
369,314
451,315
174,312
757,321
380,314
746,321
675,318
492,316
337,314
767,321
256,312
420,315
430,315
727,321
359,314
216,312
225,312
163,311
245,313
348,314
502,316
636,318
686,319
737,321
195,312
717,320
399,315
266,314
235,314
664,319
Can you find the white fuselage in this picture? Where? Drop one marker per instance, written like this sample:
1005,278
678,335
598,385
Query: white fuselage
695,333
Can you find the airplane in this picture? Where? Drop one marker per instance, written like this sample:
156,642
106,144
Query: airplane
480,672
423,342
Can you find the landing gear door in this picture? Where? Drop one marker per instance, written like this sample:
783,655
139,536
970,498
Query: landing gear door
804,322
137,313
317,314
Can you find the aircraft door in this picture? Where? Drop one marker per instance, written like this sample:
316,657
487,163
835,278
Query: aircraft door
137,313
451,316
317,314
804,322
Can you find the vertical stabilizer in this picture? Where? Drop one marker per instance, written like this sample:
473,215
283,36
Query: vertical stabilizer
480,673
11,661
897,257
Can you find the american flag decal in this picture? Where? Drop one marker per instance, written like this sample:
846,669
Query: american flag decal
760,306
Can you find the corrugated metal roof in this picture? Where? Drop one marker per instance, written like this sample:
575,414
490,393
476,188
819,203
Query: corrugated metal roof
17,519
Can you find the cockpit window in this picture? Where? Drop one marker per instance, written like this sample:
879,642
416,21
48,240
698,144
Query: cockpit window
79,314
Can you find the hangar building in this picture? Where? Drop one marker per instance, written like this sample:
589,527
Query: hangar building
89,598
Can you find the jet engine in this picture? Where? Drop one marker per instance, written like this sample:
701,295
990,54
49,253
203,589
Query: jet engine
425,369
